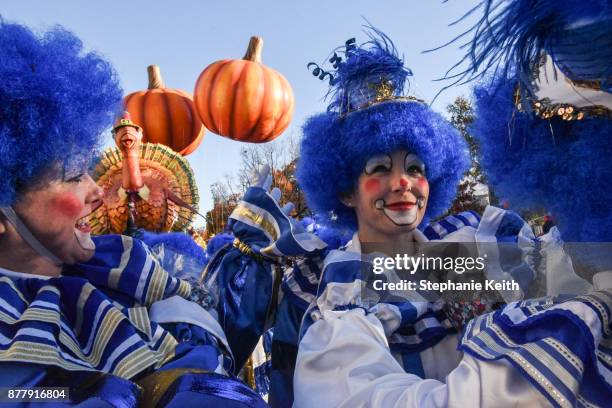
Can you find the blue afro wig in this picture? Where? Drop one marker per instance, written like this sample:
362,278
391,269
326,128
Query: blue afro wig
55,103
563,166
337,144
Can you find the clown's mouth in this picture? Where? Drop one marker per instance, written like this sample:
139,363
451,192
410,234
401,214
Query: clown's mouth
400,213
82,232
83,237
83,225
400,206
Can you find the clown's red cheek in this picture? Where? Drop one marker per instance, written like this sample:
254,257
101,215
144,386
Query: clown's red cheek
372,186
422,182
68,205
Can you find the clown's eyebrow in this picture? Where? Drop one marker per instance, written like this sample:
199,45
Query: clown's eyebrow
413,160
379,160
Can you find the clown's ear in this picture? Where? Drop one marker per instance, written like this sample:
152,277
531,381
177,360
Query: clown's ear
348,199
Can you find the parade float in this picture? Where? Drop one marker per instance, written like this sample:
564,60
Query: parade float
147,180
146,185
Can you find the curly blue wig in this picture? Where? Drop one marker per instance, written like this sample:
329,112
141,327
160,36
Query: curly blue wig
337,144
561,165
55,103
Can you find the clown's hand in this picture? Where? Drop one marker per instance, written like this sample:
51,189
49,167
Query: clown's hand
262,226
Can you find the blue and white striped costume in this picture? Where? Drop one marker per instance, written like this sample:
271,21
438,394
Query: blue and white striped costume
369,354
523,355
111,323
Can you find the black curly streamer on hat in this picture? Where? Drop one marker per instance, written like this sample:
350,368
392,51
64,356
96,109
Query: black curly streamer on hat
349,45
319,72
335,60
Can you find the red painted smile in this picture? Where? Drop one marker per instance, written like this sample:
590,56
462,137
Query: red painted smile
400,206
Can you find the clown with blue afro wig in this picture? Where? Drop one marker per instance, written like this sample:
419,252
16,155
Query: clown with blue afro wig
370,115
543,108
55,103
363,137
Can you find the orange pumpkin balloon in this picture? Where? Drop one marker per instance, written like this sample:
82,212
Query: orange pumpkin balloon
167,116
243,99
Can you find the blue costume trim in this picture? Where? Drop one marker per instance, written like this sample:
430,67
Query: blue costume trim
419,325
60,321
244,285
259,222
262,372
210,390
451,223
70,323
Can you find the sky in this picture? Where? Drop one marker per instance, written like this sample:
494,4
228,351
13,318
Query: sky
184,37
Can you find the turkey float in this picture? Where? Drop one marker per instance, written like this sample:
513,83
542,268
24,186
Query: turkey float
146,185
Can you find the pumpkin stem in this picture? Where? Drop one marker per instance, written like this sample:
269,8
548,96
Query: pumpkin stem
155,79
253,53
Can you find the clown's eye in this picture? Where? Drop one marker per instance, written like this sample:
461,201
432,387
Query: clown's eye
416,170
76,179
378,164
414,165
379,169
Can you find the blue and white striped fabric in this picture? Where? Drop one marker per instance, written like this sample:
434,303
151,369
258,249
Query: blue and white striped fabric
259,222
413,325
440,229
244,281
301,281
410,326
95,319
121,314
500,233
563,348
262,364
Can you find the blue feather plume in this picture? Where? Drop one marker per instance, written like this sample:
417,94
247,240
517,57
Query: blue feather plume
576,33
364,67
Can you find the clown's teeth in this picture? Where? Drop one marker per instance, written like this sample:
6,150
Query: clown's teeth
84,228
82,225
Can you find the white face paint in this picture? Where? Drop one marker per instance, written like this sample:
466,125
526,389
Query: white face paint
391,195
400,212
399,216
380,163
402,217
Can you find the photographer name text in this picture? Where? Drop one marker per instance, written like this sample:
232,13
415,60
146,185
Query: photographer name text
423,284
